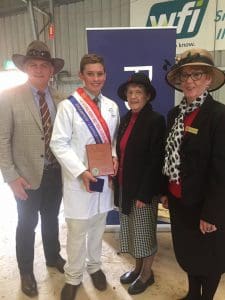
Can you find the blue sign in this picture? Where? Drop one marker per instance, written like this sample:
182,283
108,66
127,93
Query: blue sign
129,50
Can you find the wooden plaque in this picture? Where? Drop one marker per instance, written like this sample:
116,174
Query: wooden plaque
100,159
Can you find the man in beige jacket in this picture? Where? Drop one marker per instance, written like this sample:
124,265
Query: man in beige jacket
31,171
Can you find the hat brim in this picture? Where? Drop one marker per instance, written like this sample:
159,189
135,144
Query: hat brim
121,92
19,60
218,76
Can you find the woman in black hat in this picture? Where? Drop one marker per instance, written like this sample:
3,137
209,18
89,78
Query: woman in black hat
195,172
140,153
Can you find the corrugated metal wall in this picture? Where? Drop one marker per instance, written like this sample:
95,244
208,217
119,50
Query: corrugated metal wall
70,34
71,21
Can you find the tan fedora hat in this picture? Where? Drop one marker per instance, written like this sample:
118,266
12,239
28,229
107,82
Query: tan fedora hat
195,57
37,50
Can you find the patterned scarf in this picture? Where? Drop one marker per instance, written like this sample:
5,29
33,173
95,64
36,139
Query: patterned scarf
172,156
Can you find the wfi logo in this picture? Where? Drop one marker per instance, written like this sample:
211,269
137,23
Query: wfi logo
186,15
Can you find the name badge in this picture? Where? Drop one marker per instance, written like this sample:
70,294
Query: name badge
191,129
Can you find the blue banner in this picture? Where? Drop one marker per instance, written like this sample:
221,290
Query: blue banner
129,50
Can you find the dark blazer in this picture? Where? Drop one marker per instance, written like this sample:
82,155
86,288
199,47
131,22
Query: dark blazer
143,158
203,161
203,192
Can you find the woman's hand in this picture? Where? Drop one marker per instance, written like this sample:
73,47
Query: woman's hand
206,227
140,204
164,201
115,165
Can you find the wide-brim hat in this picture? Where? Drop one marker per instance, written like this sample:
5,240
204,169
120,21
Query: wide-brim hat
137,78
37,50
195,57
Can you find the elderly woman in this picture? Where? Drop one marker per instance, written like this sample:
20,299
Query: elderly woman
195,171
140,153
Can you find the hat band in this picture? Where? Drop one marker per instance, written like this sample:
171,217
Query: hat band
193,59
39,53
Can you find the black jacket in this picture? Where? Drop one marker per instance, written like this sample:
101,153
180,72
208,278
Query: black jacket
143,158
203,161
202,166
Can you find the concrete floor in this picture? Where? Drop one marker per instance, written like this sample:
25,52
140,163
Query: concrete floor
170,279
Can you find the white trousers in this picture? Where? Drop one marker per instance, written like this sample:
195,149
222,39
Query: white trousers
84,247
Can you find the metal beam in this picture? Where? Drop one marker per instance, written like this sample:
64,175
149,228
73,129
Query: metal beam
32,18
18,7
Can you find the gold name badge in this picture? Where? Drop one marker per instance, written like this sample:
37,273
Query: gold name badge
191,129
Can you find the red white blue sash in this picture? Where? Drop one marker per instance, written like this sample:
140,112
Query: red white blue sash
91,115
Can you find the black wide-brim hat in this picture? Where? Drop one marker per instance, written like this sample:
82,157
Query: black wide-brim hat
37,50
195,57
137,78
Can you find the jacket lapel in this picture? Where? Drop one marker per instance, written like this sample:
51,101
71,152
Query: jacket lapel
141,121
138,126
201,118
27,97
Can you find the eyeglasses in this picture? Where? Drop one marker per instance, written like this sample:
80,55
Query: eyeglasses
194,76
44,54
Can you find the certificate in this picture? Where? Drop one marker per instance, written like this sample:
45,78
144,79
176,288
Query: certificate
100,159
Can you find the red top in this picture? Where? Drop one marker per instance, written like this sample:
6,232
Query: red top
173,187
123,144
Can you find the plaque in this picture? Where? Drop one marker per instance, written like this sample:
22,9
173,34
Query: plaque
100,159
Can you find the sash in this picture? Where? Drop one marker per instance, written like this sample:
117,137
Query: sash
91,115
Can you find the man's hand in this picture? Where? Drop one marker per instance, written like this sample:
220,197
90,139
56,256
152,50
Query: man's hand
18,187
86,177
206,227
